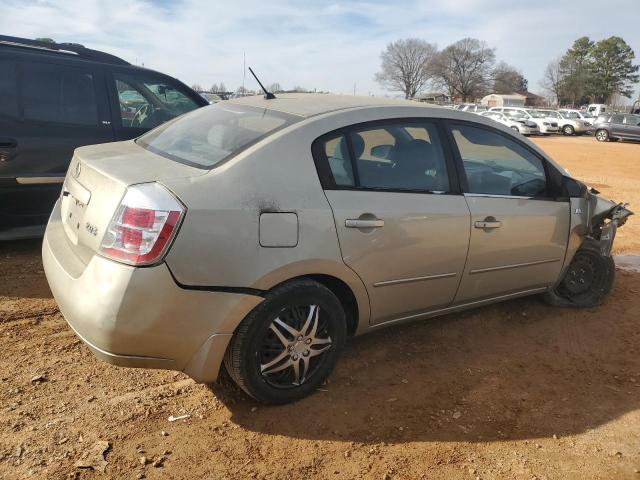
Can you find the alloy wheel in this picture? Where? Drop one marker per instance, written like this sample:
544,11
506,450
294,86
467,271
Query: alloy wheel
294,346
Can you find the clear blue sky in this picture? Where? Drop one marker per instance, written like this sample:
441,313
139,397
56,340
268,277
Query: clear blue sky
328,45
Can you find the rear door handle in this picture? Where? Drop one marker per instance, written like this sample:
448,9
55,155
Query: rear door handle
362,223
8,143
488,223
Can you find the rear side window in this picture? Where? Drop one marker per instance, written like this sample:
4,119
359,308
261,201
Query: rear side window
496,165
147,101
8,89
209,135
617,118
58,94
632,120
395,156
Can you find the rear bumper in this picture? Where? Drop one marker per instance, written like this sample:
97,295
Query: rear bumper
139,317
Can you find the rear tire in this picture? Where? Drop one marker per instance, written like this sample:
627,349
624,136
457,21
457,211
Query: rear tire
602,135
286,365
587,281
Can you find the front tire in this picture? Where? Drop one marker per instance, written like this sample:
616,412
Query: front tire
288,345
602,135
568,130
587,281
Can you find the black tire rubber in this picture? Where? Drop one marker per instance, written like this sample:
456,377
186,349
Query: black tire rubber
605,136
515,128
240,357
595,295
568,130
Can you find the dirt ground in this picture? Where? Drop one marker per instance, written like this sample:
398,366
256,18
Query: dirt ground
518,390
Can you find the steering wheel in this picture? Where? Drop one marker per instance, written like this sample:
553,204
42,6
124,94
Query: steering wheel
141,115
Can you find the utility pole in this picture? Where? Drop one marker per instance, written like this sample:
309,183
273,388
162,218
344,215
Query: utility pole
244,70
354,89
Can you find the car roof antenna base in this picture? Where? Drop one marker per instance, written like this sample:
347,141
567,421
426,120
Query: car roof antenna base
267,95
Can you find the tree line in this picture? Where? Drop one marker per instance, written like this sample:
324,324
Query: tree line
467,69
592,72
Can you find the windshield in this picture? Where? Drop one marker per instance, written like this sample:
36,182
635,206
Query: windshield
209,135
570,115
536,114
517,115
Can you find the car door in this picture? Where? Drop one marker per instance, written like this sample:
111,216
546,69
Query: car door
402,224
632,127
617,127
518,230
142,100
57,106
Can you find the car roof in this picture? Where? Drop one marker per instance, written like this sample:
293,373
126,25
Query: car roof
310,104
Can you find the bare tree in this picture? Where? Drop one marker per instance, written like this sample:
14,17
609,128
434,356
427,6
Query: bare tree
197,87
554,79
222,88
465,68
407,66
214,88
274,88
508,79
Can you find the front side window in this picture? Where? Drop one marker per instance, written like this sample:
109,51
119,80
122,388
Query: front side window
496,165
146,102
633,120
617,119
207,136
398,156
58,94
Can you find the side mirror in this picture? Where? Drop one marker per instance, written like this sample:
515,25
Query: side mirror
381,151
573,188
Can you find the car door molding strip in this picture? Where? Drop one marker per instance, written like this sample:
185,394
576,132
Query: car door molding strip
515,265
39,180
414,279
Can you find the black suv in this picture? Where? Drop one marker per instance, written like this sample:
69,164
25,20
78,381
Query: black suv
616,126
55,97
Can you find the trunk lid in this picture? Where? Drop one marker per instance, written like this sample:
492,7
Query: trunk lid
96,182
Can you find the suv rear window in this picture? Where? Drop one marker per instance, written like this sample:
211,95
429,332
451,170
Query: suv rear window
209,135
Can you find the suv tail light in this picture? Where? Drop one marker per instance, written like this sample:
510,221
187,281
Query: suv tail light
143,226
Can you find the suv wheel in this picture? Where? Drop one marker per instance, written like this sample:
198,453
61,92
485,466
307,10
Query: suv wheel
568,130
288,345
587,281
602,135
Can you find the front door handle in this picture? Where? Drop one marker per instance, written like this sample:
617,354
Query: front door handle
363,223
488,222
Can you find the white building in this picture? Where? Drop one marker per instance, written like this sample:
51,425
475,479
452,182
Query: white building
501,100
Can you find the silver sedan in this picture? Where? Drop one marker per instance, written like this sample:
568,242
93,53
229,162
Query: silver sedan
262,233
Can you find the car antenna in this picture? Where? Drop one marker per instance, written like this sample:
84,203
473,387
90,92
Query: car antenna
267,95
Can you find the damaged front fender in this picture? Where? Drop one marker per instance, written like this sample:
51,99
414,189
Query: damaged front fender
594,219
604,219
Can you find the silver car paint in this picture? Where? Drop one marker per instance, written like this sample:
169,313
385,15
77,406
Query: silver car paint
219,244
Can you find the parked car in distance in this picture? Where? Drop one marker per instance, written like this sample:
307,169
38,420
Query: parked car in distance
596,109
260,233
515,122
545,125
581,114
617,126
210,97
473,108
55,97
566,124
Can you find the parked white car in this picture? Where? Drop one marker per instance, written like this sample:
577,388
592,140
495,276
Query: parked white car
581,114
472,108
515,122
568,124
546,126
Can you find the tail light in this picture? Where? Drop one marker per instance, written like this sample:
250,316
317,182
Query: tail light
143,226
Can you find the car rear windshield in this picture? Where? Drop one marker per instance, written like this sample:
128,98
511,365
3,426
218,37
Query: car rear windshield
208,136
